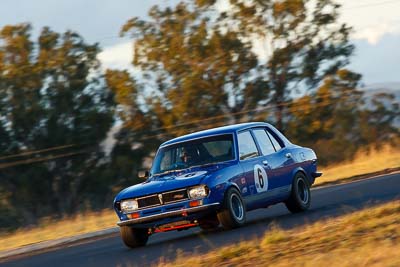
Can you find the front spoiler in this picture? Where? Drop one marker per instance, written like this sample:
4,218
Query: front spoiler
181,212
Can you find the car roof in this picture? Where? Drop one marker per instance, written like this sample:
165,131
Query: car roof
216,131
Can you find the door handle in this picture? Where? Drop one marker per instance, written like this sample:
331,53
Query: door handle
288,155
265,162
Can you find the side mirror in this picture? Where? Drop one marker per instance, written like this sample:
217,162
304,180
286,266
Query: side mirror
143,174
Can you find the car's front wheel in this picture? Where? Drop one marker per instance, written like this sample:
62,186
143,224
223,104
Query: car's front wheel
300,197
233,212
134,237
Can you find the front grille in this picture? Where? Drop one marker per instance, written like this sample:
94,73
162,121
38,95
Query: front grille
149,201
163,198
174,196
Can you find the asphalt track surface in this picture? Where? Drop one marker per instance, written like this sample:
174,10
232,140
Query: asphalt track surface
327,202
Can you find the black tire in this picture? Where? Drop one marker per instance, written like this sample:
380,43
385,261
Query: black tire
133,237
233,212
300,197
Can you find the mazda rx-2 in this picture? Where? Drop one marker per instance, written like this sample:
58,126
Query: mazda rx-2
214,177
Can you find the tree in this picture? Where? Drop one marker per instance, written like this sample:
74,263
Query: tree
303,40
336,120
329,119
201,69
198,70
378,119
51,97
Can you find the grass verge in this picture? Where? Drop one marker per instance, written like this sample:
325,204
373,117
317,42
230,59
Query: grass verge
370,237
54,229
365,162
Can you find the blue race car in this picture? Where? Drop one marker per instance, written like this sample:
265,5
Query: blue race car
214,177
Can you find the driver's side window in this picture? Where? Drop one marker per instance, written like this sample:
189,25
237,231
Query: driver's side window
247,147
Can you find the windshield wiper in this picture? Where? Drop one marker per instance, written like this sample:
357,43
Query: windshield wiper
204,165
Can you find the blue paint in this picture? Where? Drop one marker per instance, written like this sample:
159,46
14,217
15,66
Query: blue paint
221,172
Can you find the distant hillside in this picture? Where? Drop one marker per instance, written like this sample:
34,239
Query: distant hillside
391,88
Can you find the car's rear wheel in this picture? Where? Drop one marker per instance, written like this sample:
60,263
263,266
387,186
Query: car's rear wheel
300,197
134,237
233,212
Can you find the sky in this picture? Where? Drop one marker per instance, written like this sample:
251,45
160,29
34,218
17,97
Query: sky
376,26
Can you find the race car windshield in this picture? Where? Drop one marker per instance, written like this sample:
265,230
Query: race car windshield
198,152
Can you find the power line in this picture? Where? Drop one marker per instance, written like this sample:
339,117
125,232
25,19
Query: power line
27,153
60,147
235,113
300,106
371,4
175,126
35,160
374,25
288,104
388,2
49,149
172,128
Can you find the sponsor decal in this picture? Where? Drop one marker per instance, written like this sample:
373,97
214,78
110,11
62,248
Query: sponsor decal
178,196
260,178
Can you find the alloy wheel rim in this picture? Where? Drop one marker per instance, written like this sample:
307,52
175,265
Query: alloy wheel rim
237,207
303,191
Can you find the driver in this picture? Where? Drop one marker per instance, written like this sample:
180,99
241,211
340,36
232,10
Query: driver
189,154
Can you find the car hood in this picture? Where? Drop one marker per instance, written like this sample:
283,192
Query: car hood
168,182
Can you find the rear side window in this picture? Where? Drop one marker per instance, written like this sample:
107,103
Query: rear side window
264,142
247,147
274,141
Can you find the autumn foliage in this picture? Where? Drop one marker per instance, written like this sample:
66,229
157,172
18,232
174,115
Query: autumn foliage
197,65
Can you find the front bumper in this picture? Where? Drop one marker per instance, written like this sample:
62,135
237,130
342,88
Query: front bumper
169,214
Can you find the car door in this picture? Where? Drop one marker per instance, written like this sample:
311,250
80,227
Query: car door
256,172
268,157
281,162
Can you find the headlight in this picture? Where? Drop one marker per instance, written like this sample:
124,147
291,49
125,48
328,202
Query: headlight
129,205
198,191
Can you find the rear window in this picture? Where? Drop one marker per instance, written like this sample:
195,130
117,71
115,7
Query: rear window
275,142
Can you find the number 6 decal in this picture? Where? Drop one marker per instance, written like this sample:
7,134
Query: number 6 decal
260,178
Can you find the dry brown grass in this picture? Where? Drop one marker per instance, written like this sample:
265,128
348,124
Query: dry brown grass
67,227
365,161
91,221
370,237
